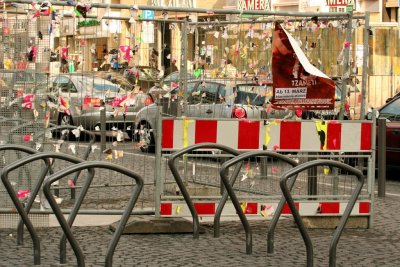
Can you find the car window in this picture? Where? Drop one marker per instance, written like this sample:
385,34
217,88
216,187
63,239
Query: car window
205,93
250,95
391,111
65,84
103,87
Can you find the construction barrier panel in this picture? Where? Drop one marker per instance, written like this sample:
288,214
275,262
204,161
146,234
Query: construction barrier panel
258,189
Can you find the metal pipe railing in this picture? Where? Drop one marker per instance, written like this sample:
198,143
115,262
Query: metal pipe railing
339,229
179,180
65,225
241,158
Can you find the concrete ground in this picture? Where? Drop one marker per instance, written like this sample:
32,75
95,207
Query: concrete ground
378,246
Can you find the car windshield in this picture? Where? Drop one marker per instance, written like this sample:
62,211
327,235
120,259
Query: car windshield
391,111
250,95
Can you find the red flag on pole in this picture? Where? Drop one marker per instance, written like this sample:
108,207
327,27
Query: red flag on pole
297,84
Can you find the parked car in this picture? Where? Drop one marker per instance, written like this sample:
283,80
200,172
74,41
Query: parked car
391,112
77,100
204,99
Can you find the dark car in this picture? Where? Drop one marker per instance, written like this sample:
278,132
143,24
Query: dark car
391,112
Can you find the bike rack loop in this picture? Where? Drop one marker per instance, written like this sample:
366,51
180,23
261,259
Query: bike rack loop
75,209
87,152
124,218
31,199
24,213
14,198
240,158
182,187
339,229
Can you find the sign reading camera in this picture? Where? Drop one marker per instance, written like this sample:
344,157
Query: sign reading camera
254,5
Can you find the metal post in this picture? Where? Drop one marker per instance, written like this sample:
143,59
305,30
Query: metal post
103,128
158,179
183,71
365,66
381,157
346,67
312,186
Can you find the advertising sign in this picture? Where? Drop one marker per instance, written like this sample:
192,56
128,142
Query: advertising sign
254,5
297,84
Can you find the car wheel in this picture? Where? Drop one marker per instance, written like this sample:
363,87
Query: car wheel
146,141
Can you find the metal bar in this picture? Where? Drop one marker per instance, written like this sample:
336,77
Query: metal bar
18,205
35,191
83,212
103,128
282,202
216,23
195,10
124,218
345,216
365,66
346,67
158,161
381,157
46,156
180,183
184,56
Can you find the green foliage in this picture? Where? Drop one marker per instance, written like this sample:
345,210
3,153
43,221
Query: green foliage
88,23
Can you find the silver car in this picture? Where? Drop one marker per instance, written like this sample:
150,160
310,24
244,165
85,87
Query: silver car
203,99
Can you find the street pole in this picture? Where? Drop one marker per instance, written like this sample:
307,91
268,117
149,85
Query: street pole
381,157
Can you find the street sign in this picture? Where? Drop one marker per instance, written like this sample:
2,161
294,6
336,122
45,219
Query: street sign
349,8
148,14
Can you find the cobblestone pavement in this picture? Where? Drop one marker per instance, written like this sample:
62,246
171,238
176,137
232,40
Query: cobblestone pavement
378,246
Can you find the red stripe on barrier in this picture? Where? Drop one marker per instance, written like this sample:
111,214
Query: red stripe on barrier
249,133
364,207
329,207
166,209
366,136
205,208
251,208
286,209
206,131
167,134
290,135
334,136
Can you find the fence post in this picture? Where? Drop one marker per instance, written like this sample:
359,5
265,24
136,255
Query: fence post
365,66
381,157
346,68
103,127
157,170
312,187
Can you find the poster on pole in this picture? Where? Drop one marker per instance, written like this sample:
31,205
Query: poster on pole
297,84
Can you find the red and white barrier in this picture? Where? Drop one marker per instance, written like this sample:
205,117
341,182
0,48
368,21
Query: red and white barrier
265,209
343,136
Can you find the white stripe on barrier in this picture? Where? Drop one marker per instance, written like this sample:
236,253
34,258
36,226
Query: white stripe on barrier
339,136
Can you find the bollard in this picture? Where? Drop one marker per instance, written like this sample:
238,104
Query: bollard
381,157
103,128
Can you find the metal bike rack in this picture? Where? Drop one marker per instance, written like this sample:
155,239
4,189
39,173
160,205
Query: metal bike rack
240,158
66,226
75,209
14,198
225,181
24,212
343,219
85,156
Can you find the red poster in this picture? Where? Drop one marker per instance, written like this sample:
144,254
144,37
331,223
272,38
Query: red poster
297,84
